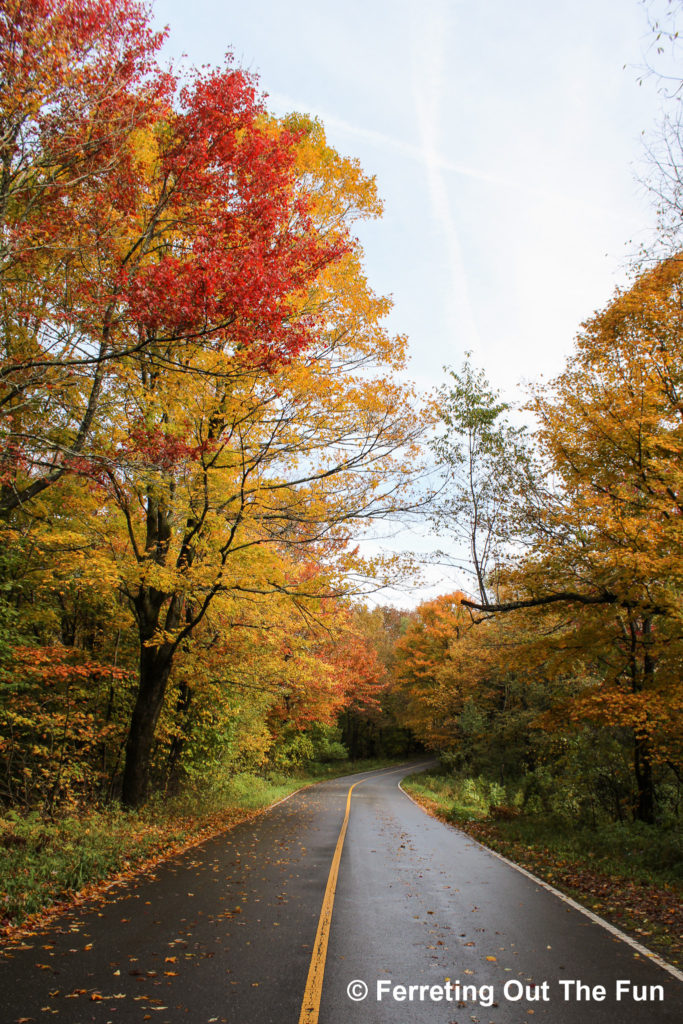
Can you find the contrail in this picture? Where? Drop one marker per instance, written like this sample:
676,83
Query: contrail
429,85
284,104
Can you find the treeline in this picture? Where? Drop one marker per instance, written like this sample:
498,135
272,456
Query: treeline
562,680
198,413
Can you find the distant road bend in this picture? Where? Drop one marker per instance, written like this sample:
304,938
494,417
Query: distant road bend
344,904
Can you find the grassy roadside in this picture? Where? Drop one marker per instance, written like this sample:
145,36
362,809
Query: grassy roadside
629,875
49,865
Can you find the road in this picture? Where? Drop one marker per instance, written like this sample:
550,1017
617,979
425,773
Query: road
248,929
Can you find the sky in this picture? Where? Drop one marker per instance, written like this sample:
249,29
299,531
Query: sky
506,139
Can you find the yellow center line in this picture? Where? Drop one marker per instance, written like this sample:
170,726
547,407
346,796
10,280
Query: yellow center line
310,1007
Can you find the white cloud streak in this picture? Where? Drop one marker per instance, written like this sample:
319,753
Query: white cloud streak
429,85
282,103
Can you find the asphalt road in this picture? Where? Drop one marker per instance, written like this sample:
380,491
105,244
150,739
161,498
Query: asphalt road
227,933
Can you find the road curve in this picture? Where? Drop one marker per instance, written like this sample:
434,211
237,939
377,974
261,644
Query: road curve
437,928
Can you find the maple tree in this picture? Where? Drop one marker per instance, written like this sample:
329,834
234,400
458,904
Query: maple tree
79,78
285,459
214,474
160,215
198,400
430,705
252,687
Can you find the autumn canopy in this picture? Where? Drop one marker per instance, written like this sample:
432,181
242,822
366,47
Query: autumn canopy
197,407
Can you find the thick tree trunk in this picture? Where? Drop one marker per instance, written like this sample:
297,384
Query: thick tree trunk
155,668
642,674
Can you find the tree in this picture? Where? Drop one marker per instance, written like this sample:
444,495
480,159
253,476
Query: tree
226,457
613,431
484,462
430,704
369,720
186,227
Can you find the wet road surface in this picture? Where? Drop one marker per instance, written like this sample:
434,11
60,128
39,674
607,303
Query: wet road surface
225,933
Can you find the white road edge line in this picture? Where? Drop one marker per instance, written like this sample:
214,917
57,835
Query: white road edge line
567,899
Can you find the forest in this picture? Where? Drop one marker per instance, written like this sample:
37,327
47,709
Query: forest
202,416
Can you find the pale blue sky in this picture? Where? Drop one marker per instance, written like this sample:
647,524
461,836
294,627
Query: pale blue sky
504,135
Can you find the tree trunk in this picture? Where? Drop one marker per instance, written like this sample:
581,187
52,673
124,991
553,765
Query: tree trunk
645,806
155,668
642,680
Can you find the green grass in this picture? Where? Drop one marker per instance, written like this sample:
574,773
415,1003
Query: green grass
455,801
45,862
